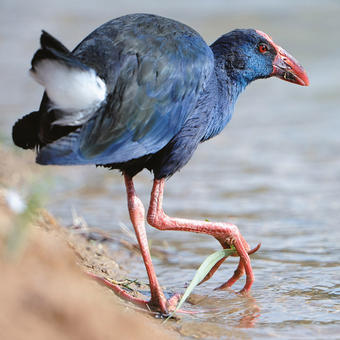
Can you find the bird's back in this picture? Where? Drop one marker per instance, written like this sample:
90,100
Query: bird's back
153,68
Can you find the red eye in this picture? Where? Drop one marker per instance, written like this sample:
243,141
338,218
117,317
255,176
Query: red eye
263,48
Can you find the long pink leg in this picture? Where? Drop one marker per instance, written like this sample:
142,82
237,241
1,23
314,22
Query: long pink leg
226,233
137,216
158,301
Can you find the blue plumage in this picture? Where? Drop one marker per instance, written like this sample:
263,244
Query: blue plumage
143,91
166,91
154,83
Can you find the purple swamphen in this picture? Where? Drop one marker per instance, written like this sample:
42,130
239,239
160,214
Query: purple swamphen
142,91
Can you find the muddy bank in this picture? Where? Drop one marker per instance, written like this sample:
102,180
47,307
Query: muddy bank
44,292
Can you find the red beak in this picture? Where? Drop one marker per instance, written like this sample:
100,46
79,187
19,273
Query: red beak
285,66
288,68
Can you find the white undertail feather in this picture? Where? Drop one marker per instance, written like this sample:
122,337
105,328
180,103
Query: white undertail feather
69,89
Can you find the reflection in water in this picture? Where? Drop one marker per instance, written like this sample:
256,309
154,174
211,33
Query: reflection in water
274,172
242,312
250,315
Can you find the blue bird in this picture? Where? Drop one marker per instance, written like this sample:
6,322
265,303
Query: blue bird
143,91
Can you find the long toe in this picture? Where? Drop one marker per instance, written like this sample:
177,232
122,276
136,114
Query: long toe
160,308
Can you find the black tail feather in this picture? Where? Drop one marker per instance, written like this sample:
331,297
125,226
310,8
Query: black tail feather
51,48
25,131
48,41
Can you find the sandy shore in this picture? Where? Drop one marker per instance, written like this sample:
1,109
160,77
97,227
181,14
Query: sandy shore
44,291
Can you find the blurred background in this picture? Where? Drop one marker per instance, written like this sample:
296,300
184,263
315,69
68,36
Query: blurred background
274,171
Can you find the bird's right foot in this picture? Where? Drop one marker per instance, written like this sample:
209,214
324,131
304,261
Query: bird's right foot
161,309
239,272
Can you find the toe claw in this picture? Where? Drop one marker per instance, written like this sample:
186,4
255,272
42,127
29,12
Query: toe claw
254,250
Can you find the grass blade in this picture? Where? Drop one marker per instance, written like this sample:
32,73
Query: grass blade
201,273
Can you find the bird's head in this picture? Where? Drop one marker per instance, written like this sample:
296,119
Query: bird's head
250,54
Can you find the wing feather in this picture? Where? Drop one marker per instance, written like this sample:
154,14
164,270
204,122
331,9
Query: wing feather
154,69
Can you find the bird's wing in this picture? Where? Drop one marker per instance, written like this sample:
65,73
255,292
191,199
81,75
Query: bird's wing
154,70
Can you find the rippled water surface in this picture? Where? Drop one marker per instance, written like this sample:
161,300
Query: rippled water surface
274,171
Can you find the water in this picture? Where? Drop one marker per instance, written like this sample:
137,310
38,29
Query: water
274,171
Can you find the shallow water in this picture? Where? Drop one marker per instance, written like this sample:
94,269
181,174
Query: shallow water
274,171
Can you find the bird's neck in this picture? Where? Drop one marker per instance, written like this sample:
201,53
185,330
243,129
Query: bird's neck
223,90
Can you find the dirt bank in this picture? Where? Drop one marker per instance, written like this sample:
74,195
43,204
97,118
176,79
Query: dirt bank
44,292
